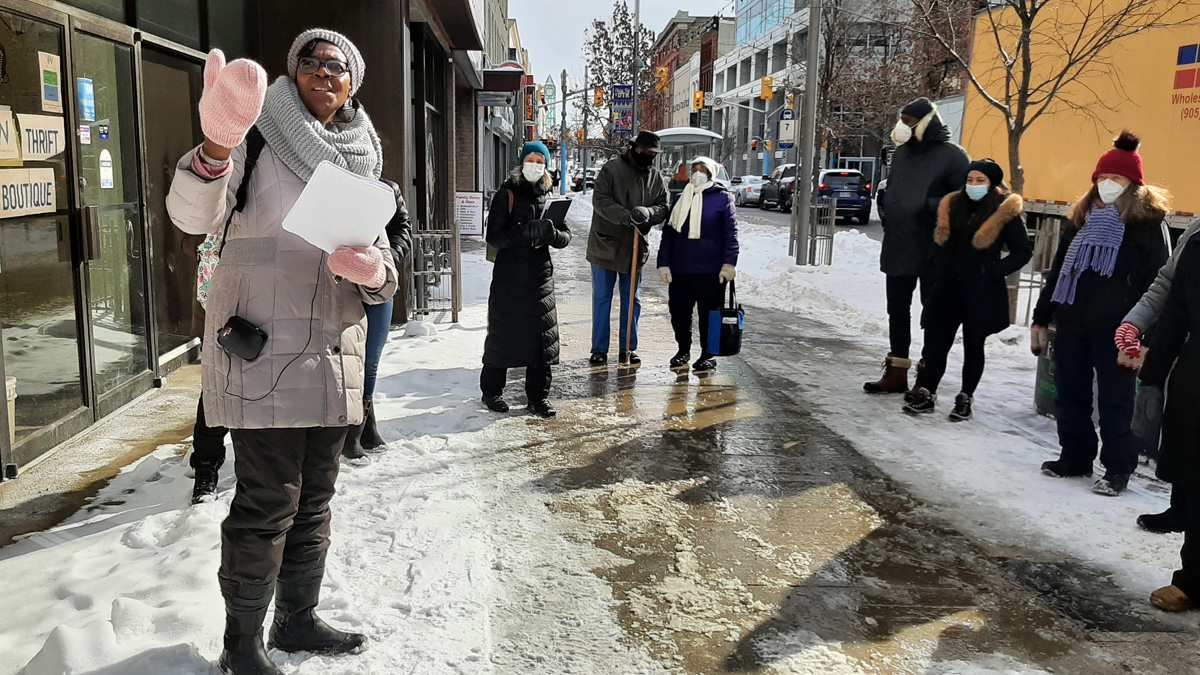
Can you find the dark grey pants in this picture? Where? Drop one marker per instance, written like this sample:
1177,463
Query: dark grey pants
278,524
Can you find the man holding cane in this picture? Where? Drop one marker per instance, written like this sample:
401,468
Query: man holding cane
630,198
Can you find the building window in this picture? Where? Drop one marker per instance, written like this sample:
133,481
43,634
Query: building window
779,56
760,62
109,9
177,20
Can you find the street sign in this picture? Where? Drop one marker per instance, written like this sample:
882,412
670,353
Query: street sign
787,130
708,99
787,114
718,101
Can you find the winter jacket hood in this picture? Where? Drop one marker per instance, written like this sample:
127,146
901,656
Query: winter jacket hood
1012,206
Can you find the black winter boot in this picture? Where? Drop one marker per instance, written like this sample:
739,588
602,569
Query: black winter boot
297,628
681,358
496,403
245,609
543,408
962,408
207,475
371,440
923,403
352,450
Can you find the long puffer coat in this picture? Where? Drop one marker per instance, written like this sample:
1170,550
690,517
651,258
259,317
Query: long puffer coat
310,372
522,317
967,274
1175,350
924,170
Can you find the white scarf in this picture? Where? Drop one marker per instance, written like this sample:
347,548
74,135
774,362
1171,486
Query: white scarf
690,207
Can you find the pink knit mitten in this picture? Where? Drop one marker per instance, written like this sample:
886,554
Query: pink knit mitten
232,99
361,264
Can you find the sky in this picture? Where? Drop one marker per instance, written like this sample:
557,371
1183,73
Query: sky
552,30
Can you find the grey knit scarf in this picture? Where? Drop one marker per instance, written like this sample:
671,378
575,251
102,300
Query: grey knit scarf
301,142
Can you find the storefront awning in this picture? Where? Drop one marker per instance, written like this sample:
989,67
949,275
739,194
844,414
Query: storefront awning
457,18
508,76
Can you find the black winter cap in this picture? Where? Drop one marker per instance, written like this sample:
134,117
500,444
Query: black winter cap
989,168
918,108
648,140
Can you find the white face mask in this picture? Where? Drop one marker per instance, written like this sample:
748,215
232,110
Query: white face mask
700,179
901,133
533,171
1109,190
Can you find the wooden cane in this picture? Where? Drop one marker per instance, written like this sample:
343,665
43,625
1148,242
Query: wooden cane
633,273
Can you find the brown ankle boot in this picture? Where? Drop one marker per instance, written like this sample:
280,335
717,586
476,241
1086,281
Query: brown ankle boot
911,394
895,377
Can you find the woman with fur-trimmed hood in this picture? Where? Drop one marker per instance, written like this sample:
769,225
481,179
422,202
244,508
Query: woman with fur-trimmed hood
1109,254
966,280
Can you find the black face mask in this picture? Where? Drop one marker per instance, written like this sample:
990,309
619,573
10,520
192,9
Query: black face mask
641,159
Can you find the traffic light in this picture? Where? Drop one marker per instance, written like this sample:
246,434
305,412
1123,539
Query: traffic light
664,79
753,146
768,144
598,98
698,100
768,88
541,94
791,101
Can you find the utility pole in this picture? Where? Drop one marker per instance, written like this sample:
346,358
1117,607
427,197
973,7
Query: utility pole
562,139
636,66
583,154
802,191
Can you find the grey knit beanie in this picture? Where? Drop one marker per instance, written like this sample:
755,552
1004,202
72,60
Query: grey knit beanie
353,58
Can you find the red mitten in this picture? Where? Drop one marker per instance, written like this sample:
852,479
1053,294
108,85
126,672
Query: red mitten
362,265
1127,340
232,99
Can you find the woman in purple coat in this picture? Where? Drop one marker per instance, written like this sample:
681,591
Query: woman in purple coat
698,255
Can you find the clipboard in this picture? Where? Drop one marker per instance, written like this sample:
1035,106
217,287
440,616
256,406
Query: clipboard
340,208
556,211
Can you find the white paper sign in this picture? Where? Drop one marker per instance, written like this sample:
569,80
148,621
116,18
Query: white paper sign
356,217
25,192
106,170
468,210
85,134
42,136
51,80
9,147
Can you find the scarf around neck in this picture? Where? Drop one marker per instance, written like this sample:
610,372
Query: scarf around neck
1094,248
690,209
301,142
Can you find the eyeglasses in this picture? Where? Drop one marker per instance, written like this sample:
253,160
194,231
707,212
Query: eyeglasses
308,65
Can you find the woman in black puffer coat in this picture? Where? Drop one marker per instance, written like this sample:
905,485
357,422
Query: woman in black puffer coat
966,280
522,319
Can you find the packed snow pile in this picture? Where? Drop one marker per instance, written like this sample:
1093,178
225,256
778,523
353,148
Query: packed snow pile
420,329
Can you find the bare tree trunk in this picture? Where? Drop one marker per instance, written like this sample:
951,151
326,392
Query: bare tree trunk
1016,174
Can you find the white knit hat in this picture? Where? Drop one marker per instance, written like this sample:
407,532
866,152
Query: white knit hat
353,58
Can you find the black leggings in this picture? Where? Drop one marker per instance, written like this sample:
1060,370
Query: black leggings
938,341
899,308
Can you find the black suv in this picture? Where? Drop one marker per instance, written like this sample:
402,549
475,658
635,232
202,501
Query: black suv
777,191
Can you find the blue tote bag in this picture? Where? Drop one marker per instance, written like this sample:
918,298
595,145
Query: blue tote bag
725,327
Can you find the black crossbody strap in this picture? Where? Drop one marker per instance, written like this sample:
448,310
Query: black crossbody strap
732,296
254,147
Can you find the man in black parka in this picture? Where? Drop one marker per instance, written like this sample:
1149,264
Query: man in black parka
926,167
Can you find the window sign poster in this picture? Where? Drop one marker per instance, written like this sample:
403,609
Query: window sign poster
106,170
468,209
87,99
50,65
85,134
9,147
102,131
24,192
42,136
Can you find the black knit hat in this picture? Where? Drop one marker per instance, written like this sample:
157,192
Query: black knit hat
648,140
989,168
918,108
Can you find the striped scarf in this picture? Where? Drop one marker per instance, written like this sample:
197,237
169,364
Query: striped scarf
1094,248
301,143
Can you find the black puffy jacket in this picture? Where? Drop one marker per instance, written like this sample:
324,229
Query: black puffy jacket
399,228
522,317
924,170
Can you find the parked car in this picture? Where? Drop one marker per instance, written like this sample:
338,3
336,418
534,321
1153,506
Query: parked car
581,182
747,189
776,191
850,188
879,197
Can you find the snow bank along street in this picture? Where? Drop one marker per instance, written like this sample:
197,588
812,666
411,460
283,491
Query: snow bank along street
770,518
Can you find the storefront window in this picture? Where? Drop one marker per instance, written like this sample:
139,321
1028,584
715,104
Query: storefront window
38,310
109,9
177,20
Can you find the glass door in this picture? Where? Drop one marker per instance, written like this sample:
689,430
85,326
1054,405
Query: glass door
110,215
40,319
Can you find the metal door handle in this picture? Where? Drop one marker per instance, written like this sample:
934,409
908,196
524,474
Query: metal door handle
89,219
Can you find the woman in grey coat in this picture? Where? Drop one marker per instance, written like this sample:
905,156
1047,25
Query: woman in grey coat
289,405
1140,321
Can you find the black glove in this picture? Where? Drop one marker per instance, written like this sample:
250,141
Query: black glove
644,228
540,232
1147,413
640,215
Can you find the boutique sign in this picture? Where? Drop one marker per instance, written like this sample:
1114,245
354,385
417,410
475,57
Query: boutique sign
24,192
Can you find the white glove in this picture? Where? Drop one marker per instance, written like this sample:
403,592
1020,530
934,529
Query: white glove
664,273
728,272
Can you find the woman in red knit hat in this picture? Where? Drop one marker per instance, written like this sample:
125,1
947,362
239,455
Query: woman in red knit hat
1109,254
